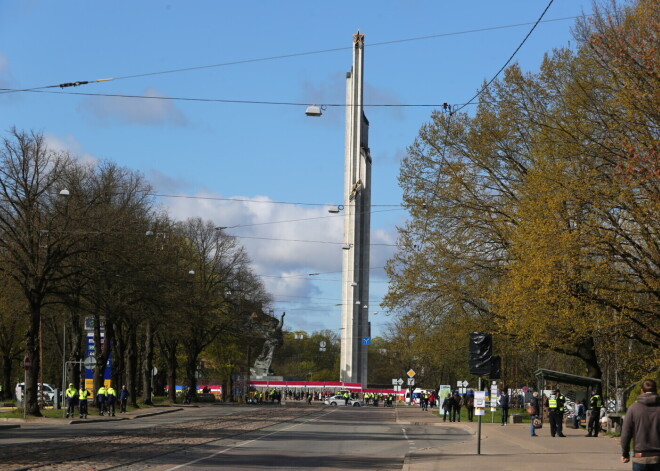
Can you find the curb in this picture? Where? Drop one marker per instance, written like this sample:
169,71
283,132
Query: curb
117,419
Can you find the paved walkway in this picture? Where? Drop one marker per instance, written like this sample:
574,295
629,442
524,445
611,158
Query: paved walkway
92,417
511,448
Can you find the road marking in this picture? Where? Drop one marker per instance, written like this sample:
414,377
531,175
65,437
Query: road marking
411,444
238,445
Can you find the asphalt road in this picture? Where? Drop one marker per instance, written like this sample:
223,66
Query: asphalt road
232,437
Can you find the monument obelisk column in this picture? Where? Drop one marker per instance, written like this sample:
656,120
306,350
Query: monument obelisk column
357,223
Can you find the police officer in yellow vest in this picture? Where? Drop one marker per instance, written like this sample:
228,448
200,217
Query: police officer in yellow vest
83,394
100,398
595,403
71,393
110,399
555,405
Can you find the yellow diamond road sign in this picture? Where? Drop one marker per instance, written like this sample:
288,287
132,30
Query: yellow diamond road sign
411,373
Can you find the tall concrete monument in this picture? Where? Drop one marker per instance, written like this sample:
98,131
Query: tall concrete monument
357,227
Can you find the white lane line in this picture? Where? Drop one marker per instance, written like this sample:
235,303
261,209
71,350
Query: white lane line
411,444
238,445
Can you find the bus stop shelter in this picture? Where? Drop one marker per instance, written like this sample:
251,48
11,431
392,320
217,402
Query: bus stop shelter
543,376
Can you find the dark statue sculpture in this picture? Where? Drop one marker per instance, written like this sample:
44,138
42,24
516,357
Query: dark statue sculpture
271,330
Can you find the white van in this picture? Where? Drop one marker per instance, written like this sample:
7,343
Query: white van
49,392
415,395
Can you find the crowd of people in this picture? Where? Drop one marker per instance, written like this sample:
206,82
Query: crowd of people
106,400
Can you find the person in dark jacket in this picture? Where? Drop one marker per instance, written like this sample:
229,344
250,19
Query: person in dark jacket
595,403
457,402
555,404
642,425
469,403
123,398
447,406
536,413
504,404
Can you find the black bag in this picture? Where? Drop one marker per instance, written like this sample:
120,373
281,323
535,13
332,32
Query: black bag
537,423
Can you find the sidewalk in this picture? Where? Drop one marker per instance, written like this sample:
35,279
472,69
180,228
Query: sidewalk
511,448
92,417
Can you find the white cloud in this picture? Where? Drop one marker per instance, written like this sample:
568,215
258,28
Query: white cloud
7,80
286,243
72,146
145,111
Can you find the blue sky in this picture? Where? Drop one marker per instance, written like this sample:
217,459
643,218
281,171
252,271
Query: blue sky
216,155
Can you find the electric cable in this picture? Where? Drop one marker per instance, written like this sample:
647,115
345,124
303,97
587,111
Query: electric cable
277,57
249,200
469,102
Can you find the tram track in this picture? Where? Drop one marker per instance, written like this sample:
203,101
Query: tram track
131,448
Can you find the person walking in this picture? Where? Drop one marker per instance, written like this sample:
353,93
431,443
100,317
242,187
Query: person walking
535,412
123,399
100,399
424,400
555,405
447,406
83,395
71,394
595,403
469,404
642,425
457,403
578,413
110,397
504,404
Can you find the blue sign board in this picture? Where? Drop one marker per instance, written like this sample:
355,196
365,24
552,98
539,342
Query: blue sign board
90,351
366,340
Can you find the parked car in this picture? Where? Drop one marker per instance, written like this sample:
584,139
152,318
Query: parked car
49,392
339,400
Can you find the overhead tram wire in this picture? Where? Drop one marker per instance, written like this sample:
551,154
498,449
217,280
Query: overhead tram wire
264,59
469,102
249,200
456,108
304,219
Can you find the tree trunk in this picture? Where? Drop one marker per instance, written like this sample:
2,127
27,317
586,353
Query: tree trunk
169,346
191,373
147,370
118,360
31,392
6,376
586,351
131,367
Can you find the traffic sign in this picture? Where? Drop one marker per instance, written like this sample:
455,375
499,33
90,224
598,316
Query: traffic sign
366,340
90,363
399,381
411,381
27,363
410,373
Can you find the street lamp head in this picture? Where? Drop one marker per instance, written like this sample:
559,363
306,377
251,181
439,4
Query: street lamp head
191,272
314,110
149,233
64,192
